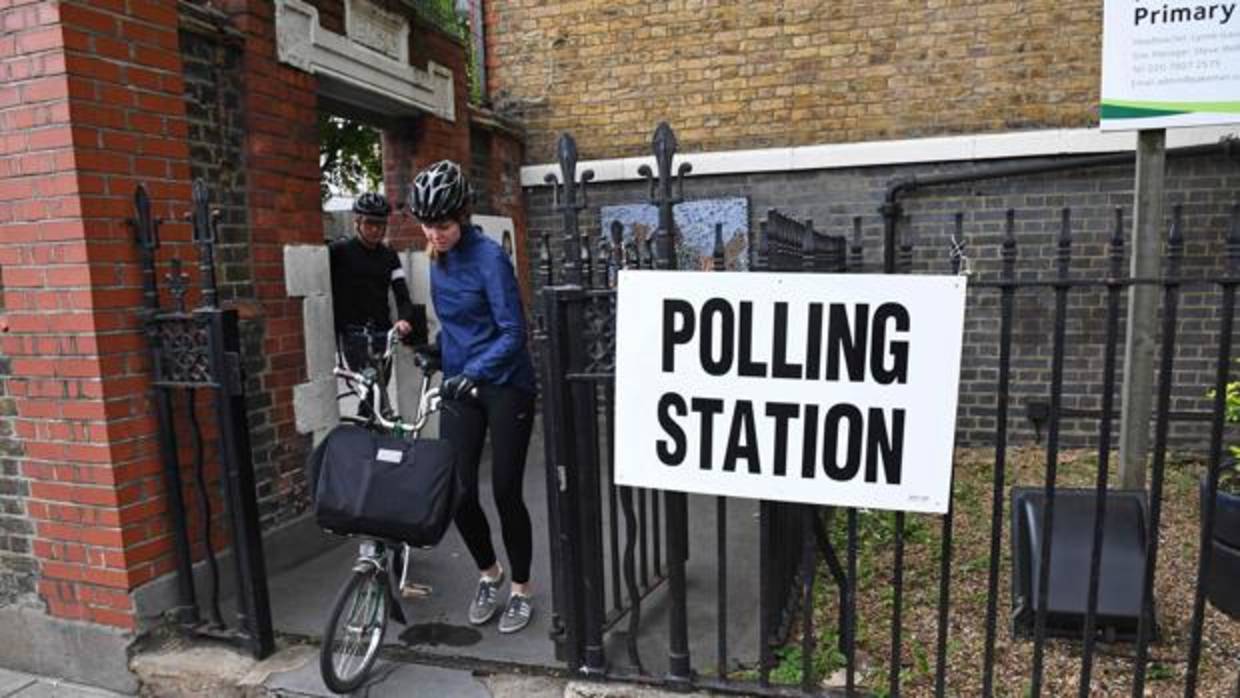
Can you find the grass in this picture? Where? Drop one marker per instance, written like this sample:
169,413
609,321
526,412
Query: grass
1112,674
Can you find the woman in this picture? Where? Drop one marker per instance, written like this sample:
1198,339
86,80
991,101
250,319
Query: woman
483,346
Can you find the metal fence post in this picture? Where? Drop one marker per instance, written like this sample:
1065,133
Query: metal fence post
558,415
586,469
146,229
666,191
224,346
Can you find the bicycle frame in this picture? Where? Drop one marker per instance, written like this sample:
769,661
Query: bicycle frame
374,553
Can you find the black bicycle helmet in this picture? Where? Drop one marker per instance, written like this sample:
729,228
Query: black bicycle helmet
438,192
372,205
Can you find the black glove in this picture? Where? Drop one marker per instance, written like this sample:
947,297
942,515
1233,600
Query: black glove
457,387
430,351
427,357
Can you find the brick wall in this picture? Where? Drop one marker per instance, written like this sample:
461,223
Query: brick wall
213,92
733,74
416,143
71,283
211,67
498,152
29,61
489,147
95,98
1205,185
281,153
17,562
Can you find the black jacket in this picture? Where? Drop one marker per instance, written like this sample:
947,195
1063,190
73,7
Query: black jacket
360,281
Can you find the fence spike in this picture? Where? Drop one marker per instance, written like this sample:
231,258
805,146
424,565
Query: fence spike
585,254
906,252
545,264
178,284
586,177
762,259
1063,249
1175,236
856,250
720,260
808,246
959,259
554,181
1007,250
204,221
1175,241
1233,241
1117,244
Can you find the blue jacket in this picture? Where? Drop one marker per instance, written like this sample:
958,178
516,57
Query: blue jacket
481,321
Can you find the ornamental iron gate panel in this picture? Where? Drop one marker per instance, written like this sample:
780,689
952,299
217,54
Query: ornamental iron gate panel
194,350
605,536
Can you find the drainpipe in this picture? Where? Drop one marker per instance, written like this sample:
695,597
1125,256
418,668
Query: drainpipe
891,209
477,17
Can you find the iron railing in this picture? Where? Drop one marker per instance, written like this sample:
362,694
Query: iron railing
577,344
191,351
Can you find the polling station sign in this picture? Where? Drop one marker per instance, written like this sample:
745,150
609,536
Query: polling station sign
821,388
1169,63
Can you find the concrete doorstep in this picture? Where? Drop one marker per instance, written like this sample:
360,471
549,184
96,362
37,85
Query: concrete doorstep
181,669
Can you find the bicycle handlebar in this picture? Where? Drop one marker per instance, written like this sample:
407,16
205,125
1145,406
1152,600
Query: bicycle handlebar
368,389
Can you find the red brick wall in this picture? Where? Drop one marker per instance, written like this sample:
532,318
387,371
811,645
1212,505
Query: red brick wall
92,102
71,280
427,139
507,199
282,155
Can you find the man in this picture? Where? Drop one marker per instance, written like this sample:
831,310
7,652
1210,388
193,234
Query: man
363,268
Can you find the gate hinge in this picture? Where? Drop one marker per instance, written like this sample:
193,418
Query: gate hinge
232,370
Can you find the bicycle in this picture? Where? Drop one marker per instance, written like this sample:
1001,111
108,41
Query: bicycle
363,605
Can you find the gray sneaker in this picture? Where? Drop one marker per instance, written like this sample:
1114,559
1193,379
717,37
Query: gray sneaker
517,615
486,601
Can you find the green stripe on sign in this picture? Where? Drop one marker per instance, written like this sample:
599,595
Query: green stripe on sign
1230,107
1114,111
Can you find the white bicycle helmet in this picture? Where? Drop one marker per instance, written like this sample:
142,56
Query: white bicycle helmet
438,192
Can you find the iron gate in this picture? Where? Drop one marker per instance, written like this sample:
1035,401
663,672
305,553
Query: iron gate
597,546
191,351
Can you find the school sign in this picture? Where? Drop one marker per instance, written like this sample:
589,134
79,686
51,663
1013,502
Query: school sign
819,388
1169,63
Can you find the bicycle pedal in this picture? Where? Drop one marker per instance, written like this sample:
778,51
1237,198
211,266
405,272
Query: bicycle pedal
412,590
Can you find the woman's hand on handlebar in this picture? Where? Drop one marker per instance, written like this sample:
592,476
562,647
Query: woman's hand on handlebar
458,387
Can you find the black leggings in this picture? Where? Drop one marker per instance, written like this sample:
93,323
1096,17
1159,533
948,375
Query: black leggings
509,414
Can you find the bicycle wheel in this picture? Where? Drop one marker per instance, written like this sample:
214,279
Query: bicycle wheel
354,631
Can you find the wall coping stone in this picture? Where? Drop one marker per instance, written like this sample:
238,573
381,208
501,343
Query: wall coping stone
984,146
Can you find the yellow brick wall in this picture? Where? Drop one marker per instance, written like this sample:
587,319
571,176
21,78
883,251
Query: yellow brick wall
731,74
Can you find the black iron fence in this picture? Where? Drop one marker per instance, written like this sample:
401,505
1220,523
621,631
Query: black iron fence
195,350
612,551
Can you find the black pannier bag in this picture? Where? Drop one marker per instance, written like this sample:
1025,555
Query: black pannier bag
370,484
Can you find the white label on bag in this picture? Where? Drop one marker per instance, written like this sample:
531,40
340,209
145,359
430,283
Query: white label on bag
389,455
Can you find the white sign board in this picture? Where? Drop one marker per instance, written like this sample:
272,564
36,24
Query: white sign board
1169,63
501,230
832,389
